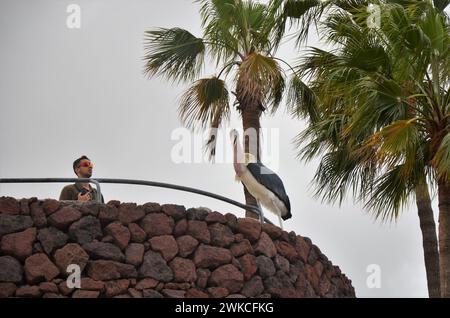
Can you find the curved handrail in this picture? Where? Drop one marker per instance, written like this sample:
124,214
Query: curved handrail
97,182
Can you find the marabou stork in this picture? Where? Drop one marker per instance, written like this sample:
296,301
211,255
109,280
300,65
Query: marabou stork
262,183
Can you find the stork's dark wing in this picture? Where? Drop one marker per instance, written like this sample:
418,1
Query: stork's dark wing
270,180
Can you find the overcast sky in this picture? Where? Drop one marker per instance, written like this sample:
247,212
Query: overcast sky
68,92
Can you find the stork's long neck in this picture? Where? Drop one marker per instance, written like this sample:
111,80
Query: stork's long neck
238,159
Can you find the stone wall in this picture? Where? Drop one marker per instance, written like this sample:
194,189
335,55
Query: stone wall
153,250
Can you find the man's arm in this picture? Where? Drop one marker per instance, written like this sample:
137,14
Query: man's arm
66,194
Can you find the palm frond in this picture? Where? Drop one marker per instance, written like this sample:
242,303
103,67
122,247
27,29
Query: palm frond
260,79
441,160
206,105
174,53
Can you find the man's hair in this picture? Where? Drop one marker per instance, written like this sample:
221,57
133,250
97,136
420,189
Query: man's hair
77,162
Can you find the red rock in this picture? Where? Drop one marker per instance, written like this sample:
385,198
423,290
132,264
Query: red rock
253,287
173,293
218,292
85,294
183,270
196,293
64,217
19,244
71,254
241,248
302,248
203,275
38,215
227,276
52,295
120,233
114,203
146,283
28,292
248,265
10,270
324,287
221,235
215,217
211,257
107,214
251,228
103,270
134,293
152,207
157,224
91,284
48,287
182,286
130,212
7,290
9,205
180,228
38,267
199,230
24,206
273,231
265,246
186,245
177,212
166,245
312,277
50,206
231,221
318,267
116,287
134,254
136,233
64,289
287,251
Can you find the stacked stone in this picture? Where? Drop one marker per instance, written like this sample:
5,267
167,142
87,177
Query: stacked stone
153,250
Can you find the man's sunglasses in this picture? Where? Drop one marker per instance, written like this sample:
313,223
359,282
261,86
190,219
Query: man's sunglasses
86,164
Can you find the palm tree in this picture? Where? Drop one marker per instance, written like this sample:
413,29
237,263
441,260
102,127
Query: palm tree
240,38
381,116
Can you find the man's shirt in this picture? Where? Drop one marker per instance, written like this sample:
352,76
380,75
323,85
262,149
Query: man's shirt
71,191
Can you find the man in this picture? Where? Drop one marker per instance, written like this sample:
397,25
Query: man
80,191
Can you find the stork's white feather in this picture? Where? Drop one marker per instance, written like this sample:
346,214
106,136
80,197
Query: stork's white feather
266,197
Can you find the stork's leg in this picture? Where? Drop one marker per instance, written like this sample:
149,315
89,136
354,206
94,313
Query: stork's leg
280,220
261,215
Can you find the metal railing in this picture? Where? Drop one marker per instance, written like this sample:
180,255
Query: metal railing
97,182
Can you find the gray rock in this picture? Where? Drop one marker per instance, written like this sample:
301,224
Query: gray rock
154,266
85,230
10,270
14,223
99,250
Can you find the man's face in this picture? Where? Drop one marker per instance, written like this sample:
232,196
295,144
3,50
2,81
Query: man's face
84,169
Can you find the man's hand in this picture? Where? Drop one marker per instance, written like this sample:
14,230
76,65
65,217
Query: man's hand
84,197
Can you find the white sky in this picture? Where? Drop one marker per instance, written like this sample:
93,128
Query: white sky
68,92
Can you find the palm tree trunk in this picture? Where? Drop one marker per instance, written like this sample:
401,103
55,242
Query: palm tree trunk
429,239
444,235
251,113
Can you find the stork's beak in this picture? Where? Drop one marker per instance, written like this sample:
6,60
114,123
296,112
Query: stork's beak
234,136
